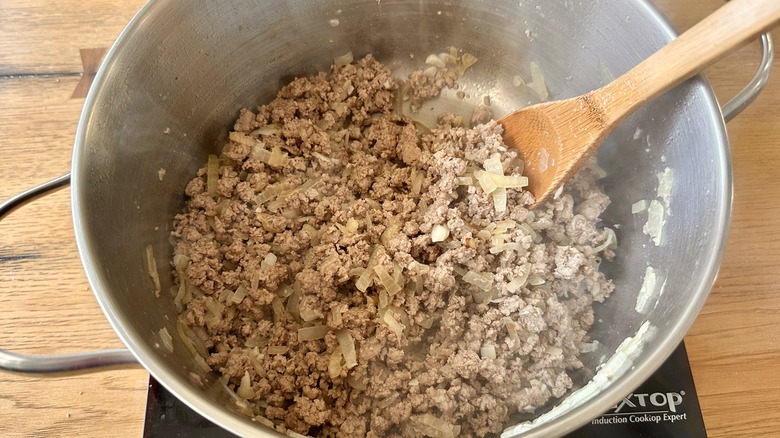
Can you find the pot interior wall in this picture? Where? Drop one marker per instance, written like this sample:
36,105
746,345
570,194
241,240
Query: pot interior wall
187,68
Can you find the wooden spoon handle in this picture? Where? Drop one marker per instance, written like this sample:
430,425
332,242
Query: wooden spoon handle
728,28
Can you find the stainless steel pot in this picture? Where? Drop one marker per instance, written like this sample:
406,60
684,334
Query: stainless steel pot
173,82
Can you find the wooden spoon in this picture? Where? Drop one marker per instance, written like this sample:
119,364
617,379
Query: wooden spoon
554,139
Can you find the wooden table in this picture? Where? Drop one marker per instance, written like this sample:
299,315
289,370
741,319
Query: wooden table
47,306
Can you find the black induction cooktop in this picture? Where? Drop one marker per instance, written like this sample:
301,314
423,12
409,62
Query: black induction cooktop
666,406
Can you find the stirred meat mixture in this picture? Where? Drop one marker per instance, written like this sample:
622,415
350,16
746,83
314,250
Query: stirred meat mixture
349,272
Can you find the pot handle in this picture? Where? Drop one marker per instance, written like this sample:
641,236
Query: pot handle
747,95
66,363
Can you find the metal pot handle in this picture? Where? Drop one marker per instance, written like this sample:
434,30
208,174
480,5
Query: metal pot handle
66,363
747,95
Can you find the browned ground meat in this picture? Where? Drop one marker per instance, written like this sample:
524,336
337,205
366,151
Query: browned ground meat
326,187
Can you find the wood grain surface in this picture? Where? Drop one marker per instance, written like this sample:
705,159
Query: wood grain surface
47,306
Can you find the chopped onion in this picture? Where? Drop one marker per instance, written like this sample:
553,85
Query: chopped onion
151,265
308,314
610,242
537,238
387,281
398,274
435,61
244,139
537,83
356,272
554,351
482,296
214,307
269,261
665,181
278,309
488,351
191,340
293,300
314,235
239,295
344,59
180,262
558,193
389,233
484,235
307,185
511,328
256,341
291,213
319,156
264,421
418,177
364,281
655,222
491,181
467,60
277,349
337,315
516,283
312,333
427,322
272,192
504,226
213,320
384,300
487,183
394,325
166,339
387,401
448,58
270,129
254,282
648,292
183,296
465,181
439,233
517,81
482,280
245,388
588,347
513,246
358,383
422,206
639,206
493,164
535,280
437,427
202,363
276,158
430,72
350,227
212,175
347,345
499,200
334,364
